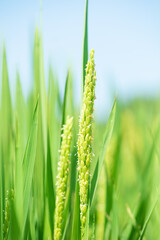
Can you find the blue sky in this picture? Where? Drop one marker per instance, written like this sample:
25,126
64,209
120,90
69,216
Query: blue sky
125,36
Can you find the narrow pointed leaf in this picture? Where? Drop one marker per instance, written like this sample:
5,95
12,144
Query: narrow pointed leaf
107,137
29,161
85,45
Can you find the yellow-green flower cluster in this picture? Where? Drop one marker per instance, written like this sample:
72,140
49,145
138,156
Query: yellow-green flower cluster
62,176
85,138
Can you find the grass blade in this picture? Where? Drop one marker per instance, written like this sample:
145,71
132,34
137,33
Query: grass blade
29,161
107,137
50,188
85,45
6,122
76,215
64,104
147,221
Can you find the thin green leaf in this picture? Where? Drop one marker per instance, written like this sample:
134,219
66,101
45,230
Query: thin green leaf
14,231
29,161
50,188
85,45
6,122
86,234
147,221
2,194
76,215
107,137
115,218
66,226
64,103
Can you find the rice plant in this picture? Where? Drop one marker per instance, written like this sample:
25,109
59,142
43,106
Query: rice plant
85,140
63,169
76,178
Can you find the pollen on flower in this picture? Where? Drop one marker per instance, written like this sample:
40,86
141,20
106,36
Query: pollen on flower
85,138
62,176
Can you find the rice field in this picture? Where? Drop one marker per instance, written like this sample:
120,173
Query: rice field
64,174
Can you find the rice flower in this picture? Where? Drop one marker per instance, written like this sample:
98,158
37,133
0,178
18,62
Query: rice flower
85,138
62,176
